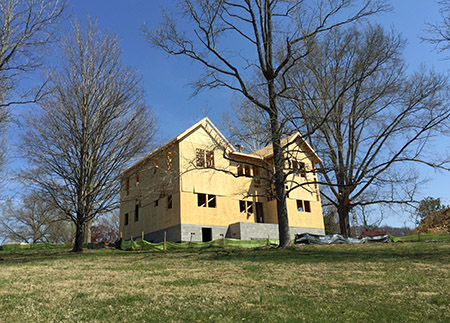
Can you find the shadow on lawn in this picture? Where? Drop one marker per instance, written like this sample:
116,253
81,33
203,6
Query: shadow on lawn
349,253
25,256
415,252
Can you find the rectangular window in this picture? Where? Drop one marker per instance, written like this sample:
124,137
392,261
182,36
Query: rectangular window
210,159
240,169
200,158
136,213
169,201
249,207
211,201
302,169
307,206
126,219
256,172
206,200
137,179
300,205
247,170
201,200
169,160
127,185
246,206
242,206
156,202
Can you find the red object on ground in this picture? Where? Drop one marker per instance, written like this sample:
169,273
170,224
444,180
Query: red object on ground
372,233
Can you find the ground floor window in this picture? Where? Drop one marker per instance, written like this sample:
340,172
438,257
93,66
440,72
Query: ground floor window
206,200
169,201
136,213
303,206
246,206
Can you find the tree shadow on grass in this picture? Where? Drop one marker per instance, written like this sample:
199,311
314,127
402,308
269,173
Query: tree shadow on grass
338,253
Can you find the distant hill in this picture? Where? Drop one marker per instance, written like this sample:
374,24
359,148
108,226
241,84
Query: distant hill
438,222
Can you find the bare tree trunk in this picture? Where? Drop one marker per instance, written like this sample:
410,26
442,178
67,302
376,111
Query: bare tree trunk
78,243
344,222
283,222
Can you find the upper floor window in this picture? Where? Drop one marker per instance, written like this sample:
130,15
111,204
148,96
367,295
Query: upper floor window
210,158
244,170
137,178
204,158
200,158
127,185
240,169
125,219
302,169
169,160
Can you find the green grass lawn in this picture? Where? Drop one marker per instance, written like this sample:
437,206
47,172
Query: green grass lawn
406,282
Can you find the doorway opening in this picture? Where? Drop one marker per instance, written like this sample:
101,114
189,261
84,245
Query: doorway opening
206,234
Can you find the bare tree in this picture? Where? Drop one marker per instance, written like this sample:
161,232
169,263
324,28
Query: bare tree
31,222
26,28
379,118
234,40
93,123
438,33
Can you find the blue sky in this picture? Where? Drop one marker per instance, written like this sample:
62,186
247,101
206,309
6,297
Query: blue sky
166,79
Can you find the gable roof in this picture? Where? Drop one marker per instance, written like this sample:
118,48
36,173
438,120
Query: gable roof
205,123
267,152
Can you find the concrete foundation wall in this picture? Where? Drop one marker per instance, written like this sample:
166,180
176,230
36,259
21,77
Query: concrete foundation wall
239,230
258,231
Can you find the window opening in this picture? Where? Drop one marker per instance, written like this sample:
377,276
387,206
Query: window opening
136,213
300,205
242,207
137,179
247,170
206,200
212,201
249,207
240,169
307,206
200,157
246,206
169,160
302,169
126,219
169,201
127,185
156,202
210,159
201,200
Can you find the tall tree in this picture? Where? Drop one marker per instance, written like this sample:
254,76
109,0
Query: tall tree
91,125
234,40
380,119
26,28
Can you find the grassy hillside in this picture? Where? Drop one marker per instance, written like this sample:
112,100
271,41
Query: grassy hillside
340,283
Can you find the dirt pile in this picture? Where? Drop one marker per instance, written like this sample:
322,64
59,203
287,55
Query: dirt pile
438,222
